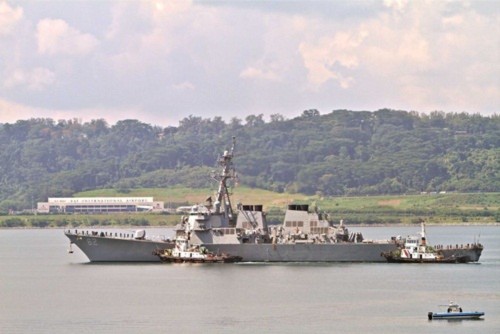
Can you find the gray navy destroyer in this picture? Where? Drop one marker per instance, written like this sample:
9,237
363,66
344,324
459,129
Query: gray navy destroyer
304,236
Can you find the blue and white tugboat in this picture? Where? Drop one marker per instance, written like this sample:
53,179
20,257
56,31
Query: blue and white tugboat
455,312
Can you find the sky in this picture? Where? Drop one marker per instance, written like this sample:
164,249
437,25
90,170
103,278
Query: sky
162,61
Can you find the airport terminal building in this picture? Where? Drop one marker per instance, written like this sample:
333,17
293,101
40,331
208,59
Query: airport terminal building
99,205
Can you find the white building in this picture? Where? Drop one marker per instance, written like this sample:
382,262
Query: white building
99,205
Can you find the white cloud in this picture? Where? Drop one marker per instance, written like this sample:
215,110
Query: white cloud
277,58
256,73
454,21
57,37
185,85
327,57
35,79
164,8
145,33
420,55
9,17
398,5
435,58
12,111
180,57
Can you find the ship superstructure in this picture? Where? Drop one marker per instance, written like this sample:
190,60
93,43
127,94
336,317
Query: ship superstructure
305,235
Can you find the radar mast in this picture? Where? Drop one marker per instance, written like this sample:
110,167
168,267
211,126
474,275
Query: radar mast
228,172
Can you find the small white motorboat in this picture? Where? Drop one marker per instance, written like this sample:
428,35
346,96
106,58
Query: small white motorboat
454,311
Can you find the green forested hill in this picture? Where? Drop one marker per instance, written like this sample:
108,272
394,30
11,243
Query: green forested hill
340,153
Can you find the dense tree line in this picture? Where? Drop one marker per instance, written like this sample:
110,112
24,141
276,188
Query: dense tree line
340,153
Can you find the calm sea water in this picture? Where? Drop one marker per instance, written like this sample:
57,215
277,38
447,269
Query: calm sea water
43,289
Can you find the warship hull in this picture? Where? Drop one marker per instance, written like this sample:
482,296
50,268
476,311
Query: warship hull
110,249
332,252
469,254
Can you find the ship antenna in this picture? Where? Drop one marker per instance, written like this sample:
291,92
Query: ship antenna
227,172
234,145
422,232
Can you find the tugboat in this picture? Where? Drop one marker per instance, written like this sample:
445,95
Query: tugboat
183,252
454,312
416,250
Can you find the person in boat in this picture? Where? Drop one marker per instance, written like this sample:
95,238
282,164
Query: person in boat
450,309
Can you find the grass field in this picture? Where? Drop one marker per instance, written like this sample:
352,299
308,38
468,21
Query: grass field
450,208
403,209
182,196
433,208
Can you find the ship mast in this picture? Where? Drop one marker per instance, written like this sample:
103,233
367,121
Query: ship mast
227,172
